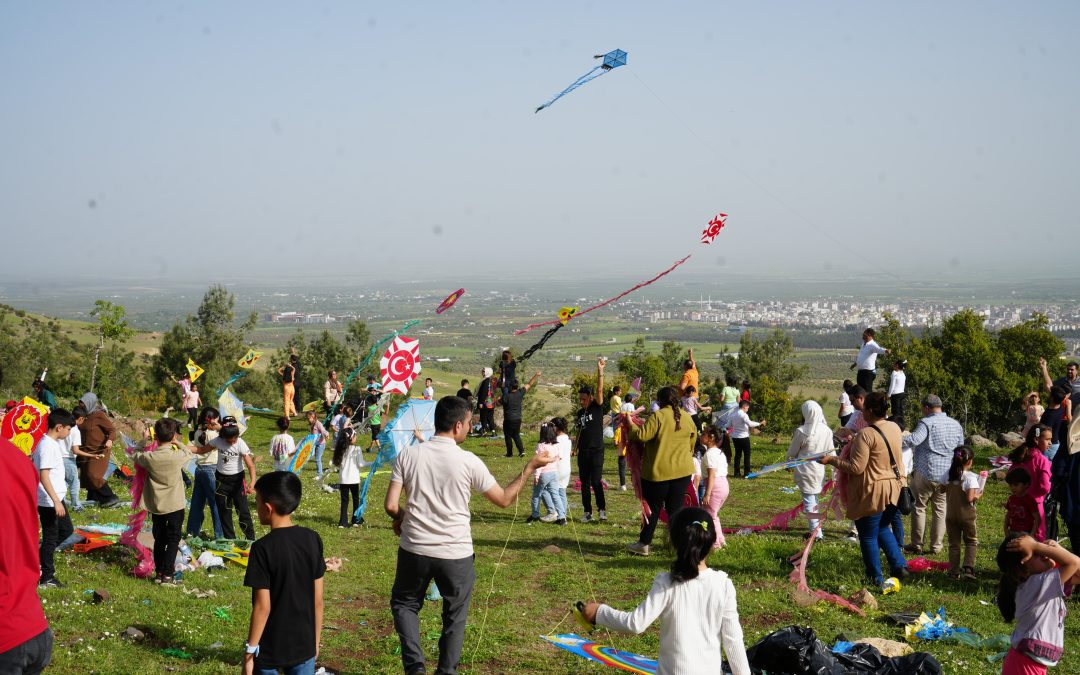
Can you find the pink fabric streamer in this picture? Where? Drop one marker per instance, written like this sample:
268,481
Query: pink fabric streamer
921,564
635,455
643,284
144,569
798,575
780,521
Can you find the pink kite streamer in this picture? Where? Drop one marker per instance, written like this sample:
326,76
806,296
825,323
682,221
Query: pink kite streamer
144,569
780,521
643,284
923,565
635,454
798,575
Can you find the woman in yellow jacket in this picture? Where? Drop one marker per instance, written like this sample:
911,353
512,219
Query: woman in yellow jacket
668,464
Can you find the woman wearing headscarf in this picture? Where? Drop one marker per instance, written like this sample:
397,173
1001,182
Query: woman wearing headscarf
874,482
485,403
98,434
812,438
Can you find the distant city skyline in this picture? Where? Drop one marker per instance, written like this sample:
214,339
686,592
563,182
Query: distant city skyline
265,141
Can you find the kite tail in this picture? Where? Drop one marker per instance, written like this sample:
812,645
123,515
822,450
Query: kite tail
587,77
130,538
387,453
539,345
608,301
364,364
635,455
232,378
798,575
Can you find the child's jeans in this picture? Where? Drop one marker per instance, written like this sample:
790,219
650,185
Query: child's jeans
71,475
305,668
202,495
320,448
230,495
166,530
54,529
809,501
548,489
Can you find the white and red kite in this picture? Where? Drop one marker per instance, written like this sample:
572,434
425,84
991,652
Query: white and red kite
400,365
715,225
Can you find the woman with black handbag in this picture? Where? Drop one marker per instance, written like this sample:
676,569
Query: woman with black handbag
876,488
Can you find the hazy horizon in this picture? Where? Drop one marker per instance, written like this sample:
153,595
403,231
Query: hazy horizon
263,142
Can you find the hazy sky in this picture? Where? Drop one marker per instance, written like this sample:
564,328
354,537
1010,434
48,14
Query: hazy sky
223,140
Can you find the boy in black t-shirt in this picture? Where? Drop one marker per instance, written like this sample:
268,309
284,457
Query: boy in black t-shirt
285,573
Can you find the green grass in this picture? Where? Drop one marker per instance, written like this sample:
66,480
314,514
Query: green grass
521,591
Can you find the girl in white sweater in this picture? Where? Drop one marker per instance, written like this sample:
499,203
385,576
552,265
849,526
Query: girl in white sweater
695,605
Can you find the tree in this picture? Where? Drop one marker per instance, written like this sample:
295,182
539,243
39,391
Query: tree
772,356
112,326
210,338
651,368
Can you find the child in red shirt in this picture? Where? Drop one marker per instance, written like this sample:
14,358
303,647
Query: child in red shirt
1022,512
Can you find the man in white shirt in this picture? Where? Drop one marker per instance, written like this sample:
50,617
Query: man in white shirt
898,393
866,361
438,478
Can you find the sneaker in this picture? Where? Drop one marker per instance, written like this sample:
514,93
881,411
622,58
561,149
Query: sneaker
967,573
623,488
603,515
326,488
51,583
637,548
549,518
318,476
901,573
913,548
531,519
851,539
560,521
587,518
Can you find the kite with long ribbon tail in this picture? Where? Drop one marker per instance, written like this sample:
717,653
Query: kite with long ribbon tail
365,361
144,569
611,61
607,302
540,345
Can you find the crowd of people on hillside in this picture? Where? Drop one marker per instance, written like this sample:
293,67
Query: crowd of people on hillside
882,473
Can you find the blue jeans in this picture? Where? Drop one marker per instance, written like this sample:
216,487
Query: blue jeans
202,495
876,535
71,475
305,668
548,490
320,448
809,500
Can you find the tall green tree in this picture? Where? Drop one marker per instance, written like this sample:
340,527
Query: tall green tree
112,326
211,338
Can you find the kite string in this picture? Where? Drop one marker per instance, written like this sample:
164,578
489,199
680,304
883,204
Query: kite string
750,179
491,588
608,301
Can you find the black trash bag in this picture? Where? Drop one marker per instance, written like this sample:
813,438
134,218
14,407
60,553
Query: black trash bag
919,663
797,651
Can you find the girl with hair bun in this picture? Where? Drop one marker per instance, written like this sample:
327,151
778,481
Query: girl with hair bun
695,604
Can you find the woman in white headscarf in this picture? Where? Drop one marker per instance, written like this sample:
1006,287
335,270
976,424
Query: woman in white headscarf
812,438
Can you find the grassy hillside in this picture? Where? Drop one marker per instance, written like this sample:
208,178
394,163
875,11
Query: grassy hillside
522,589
